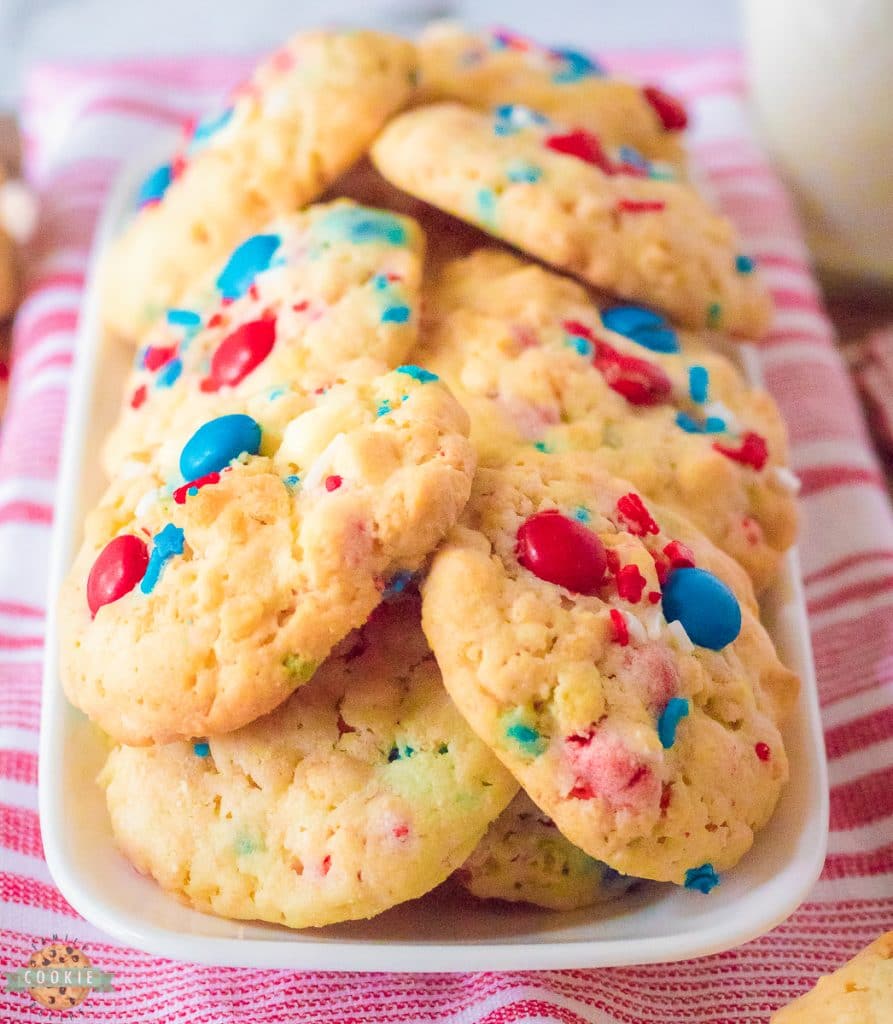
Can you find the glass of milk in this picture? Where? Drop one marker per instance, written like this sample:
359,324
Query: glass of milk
821,78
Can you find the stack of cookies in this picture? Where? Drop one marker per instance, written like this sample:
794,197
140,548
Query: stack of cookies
435,520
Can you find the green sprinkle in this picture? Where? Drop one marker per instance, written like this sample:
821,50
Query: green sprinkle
244,844
714,314
525,736
744,264
486,205
299,669
522,172
541,446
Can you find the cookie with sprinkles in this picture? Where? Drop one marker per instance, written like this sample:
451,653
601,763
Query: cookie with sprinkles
523,858
313,298
552,190
614,661
639,126
219,591
309,112
362,791
537,364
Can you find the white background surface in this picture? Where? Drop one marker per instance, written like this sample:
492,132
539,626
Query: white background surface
80,29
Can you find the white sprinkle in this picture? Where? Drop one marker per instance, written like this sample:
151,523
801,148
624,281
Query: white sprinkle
723,412
149,499
654,624
635,628
787,480
680,637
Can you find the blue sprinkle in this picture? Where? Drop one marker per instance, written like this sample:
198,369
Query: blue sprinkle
511,118
393,755
521,171
582,514
643,326
251,258
156,184
192,491
359,224
630,155
395,315
201,749
486,205
397,584
216,443
408,751
530,741
380,282
706,607
744,264
291,482
208,127
169,373
384,407
165,545
576,66
417,373
183,318
698,383
711,425
676,709
581,345
703,878
275,393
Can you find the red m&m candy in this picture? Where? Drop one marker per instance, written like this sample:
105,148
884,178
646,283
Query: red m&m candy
239,353
119,567
561,551
670,111
640,382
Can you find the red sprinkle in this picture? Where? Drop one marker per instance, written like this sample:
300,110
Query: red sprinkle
640,382
326,864
613,561
239,353
4,371
156,356
561,551
670,111
138,397
635,516
581,791
753,451
333,483
343,727
620,633
762,750
584,146
216,320
119,567
254,291
299,307
401,831
630,584
640,205
181,493
666,794
680,556
654,596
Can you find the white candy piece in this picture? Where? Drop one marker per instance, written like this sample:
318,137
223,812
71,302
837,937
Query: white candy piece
679,637
786,479
18,210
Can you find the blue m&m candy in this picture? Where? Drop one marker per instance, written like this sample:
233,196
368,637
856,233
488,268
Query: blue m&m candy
156,184
705,606
216,443
643,326
251,258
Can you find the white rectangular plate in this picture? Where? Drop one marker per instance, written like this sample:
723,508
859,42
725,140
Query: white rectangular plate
662,923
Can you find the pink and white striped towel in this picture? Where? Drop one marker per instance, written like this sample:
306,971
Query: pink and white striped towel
80,123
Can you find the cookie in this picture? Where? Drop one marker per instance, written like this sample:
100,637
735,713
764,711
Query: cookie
364,790
523,858
613,659
309,300
308,113
200,603
860,992
493,68
550,190
536,364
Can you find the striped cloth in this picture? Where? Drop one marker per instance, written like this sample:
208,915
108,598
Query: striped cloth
79,124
